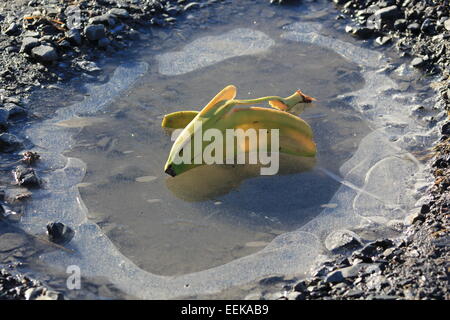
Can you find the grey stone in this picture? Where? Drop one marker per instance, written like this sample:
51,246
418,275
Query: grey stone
388,13
29,43
44,53
106,19
74,36
13,29
414,217
59,233
95,32
383,40
342,240
344,273
447,24
8,141
14,110
26,176
120,13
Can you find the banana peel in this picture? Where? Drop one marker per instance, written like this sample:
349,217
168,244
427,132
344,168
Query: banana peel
295,135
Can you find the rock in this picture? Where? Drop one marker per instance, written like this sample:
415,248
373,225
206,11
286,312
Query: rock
95,32
388,13
414,218
119,13
44,53
88,66
414,28
363,32
11,241
74,36
447,24
383,40
341,240
8,142
14,110
59,233
428,26
354,293
417,62
375,247
12,30
106,19
26,177
29,43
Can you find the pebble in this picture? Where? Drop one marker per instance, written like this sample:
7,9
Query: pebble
29,43
44,53
120,13
8,141
74,36
59,233
447,24
95,32
13,29
26,177
342,240
388,13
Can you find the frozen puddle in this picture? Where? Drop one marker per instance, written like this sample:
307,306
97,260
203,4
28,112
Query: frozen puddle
377,182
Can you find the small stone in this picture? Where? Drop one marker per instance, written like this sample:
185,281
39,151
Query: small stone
44,53
106,19
14,110
13,29
414,218
388,13
413,28
344,273
95,32
120,13
447,24
26,177
29,43
74,36
354,293
383,40
88,66
428,26
417,62
8,141
340,240
363,32
59,233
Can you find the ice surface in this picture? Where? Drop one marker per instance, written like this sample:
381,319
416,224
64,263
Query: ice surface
209,50
378,181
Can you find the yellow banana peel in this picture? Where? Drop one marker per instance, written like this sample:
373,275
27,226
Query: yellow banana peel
220,114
